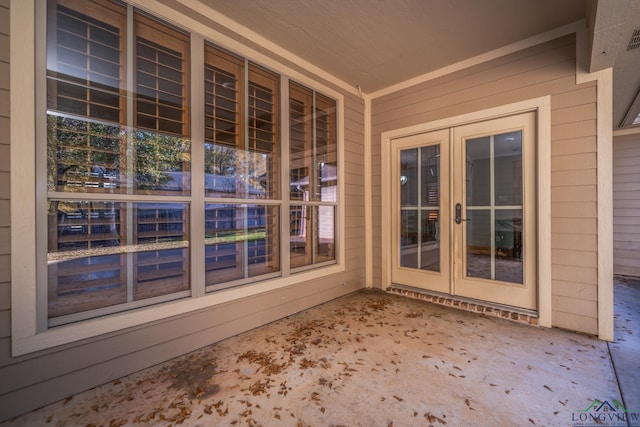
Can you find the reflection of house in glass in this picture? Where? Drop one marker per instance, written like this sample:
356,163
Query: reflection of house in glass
106,253
241,239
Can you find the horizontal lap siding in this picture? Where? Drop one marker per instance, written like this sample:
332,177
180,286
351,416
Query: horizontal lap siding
34,380
626,205
546,69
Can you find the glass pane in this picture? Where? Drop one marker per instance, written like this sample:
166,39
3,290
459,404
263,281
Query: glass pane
300,142
478,172
84,155
326,149
311,235
263,152
162,164
84,60
508,169
236,166
478,250
162,256
263,239
224,240
430,242
409,238
509,246
300,235
161,89
93,146
231,172
430,176
409,177
94,263
326,243
90,156
241,241
313,154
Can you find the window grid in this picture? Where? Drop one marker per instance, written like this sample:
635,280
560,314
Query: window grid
312,178
221,107
160,88
88,66
106,145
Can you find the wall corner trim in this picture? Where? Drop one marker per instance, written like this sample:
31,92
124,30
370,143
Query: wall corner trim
605,204
23,207
368,191
604,94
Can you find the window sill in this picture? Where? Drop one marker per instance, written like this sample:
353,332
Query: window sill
117,322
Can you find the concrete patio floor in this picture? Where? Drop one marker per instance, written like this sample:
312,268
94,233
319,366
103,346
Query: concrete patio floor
374,359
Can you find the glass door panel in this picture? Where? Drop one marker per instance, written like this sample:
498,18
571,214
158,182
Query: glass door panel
420,195
420,192
493,167
494,163
409,239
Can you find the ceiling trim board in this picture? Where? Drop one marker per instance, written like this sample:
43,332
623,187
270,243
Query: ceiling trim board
632,113
627,131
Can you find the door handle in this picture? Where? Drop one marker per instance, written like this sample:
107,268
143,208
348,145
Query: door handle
459,218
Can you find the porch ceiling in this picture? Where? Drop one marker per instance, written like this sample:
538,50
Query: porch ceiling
378,43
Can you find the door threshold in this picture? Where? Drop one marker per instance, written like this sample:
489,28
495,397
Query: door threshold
520,315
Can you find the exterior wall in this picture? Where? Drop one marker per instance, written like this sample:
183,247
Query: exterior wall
626,205
36,379
545,69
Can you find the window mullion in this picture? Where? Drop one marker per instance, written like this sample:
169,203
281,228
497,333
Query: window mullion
285,189
197,212
313,176
41,318
130,148
245,167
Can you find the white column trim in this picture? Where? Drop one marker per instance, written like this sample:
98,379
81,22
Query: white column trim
368,204
23,182
604,177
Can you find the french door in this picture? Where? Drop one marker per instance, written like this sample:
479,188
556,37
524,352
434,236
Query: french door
463,215
421,231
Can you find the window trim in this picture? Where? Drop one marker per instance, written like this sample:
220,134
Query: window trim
28,228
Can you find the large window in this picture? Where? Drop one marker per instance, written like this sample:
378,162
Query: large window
312,177
241,151
118,133
126,224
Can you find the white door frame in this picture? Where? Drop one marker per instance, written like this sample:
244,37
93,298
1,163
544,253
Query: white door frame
542,107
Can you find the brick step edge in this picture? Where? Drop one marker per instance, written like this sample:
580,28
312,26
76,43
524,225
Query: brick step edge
475,307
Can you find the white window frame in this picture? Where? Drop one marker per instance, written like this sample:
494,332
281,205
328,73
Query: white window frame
28,188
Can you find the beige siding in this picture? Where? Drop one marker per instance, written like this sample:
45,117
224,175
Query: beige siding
33,380
546,69
626,205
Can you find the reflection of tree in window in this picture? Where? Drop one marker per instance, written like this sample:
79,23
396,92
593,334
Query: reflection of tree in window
97,144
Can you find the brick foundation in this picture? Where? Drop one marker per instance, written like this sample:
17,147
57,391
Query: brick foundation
476,307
